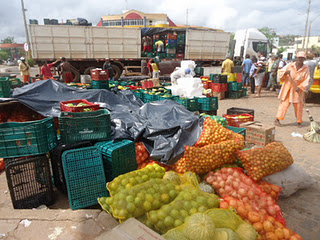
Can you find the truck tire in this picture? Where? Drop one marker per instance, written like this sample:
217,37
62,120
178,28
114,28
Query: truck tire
117,71
87,71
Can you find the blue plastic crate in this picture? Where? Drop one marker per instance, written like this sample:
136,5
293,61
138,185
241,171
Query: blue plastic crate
85,178
118,157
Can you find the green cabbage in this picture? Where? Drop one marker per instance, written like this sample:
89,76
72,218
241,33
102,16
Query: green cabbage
225,234
246,232
223,218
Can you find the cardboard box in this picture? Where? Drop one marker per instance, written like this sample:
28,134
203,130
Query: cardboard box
258,133
150,83
219,95
131,229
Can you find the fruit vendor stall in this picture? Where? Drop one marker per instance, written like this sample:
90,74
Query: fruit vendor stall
183,175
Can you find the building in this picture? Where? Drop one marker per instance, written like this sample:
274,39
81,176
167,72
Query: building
135,18
313,41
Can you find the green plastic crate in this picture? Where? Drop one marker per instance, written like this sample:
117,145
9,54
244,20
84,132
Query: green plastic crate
244,92
138,94
161,55
241,131
85,177
208,103
234,86
15,82
76,127
234,94
5,90
100,84
199,71
171,55
150,98
181,37
190,104
171,46
118,157
27,138
181,41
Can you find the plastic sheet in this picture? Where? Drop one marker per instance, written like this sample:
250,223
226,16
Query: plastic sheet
164,127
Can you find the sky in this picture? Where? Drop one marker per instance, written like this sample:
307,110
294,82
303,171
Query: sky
284,16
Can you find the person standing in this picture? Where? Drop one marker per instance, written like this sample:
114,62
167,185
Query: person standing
155,69
312,64
260,73
272,83
296,78
269,67
107,66
227,65
150,67
24,70
246,66
66,70
46,69
253,70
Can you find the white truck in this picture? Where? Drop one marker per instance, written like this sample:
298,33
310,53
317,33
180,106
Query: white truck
249,41
86,47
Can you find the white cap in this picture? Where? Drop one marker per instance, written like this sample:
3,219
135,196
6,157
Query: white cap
22,58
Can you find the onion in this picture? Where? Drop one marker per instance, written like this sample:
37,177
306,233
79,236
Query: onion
235,195
222,184
253,217
242,192
230,171
268,226
236,174
271,211
215,185
228,189
233,203
250,194
235,185
229,182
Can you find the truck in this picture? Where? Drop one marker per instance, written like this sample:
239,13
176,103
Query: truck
86,47
249,41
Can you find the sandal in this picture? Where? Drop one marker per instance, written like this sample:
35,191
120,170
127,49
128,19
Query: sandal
277,123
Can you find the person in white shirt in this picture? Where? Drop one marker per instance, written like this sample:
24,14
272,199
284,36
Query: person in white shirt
178,73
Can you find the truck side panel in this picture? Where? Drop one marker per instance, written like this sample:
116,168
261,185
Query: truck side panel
203,44
79,42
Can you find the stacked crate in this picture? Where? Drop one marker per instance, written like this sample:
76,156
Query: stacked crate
171,45
99,78
219,85
235,90
5,91
181,38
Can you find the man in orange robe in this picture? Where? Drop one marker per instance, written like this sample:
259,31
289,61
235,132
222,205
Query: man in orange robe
296,78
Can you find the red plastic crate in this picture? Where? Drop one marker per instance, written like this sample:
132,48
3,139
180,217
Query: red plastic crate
180,55
219,87
147,84
236,119
99,74
239,77
133,87
172,36
156,36
65,108
206,84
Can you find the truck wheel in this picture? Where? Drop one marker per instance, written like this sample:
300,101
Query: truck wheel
117,72
87,71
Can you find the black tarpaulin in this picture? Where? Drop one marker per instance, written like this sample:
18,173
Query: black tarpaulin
165,127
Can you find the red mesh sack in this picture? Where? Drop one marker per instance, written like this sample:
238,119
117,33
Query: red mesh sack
271,189
141,153
233,182
267,227
213,132
204,159
151,162
180,166
261,162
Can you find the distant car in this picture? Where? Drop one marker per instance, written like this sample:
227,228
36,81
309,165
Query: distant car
11,63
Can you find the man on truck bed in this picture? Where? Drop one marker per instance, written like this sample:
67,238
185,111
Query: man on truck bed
66,71
159,46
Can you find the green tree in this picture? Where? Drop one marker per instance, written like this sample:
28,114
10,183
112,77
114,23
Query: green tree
5,53
281,50
315,50
231,42
270,34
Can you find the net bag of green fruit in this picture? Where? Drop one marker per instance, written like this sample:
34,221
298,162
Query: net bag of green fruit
130,179
189,201
141,198
261,162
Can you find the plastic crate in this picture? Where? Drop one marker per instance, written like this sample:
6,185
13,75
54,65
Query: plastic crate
99,75
85,178
234,94
190,104
219,87
138,93
236,119
27,138
5,90
234,86
218,78
244,92
90,106
235,110
118,157
15,82
56,163
76,127
241,131
172,36
208,103
171,55
29,181
100,84
150,98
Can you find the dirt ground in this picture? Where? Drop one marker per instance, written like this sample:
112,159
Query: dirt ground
301,210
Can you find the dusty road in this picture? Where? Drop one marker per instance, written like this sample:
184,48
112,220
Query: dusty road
301,210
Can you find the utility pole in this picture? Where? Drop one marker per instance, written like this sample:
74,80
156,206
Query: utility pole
309,31
25,28
306,26
187,15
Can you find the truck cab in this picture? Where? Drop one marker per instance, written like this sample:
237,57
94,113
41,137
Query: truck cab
249,41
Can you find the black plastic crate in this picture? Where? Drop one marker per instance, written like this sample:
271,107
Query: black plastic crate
235,110
29,181
56,162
